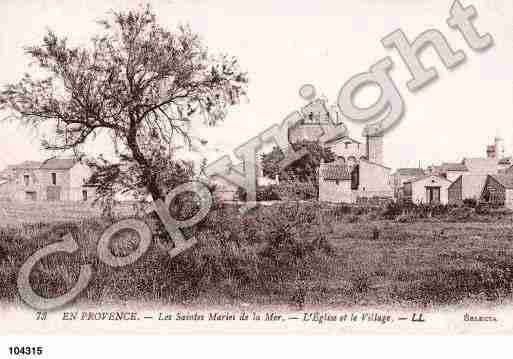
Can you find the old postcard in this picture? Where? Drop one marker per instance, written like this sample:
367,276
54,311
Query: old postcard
265,167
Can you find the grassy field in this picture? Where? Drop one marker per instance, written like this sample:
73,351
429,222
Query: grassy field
279,255
15,213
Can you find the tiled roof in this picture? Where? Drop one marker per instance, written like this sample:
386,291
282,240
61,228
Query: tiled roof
334,171
50,164
505,180
454,167
58,164
410,172
342,138
426,176
26,165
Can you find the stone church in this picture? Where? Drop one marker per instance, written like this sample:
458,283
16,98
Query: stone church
358,171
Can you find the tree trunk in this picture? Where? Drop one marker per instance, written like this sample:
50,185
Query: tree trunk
149,177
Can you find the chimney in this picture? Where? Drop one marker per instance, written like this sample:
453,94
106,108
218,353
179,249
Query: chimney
490,151
499,147
375,148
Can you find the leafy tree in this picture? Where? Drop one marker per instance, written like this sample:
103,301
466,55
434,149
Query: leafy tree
136,81
304,169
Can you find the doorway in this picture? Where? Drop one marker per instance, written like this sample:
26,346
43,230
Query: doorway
433,195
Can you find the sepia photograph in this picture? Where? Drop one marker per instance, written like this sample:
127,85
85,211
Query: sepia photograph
259,168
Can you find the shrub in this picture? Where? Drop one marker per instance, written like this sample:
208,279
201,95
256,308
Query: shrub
263,193
406,218
268,193
394,209
297,191
460,214
470,202
483,208
341,210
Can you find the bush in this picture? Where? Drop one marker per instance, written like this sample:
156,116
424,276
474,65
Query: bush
483,208
263,193
394,209
262,252
406,218
470,202
341,210
410,211
460,214
297,191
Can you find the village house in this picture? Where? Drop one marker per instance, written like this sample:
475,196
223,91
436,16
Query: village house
467,186
403,175
430,189
449,170
56,179
336,182
369,177
467,177
227,191
340,182
498,189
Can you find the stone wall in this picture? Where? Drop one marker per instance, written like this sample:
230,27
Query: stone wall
374,180
335,191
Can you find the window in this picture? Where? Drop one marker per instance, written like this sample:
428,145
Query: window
84,195
54,178
26,179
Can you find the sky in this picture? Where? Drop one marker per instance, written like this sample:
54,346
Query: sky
285,44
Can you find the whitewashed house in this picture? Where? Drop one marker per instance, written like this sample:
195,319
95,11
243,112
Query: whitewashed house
430,189
55,179
340,182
